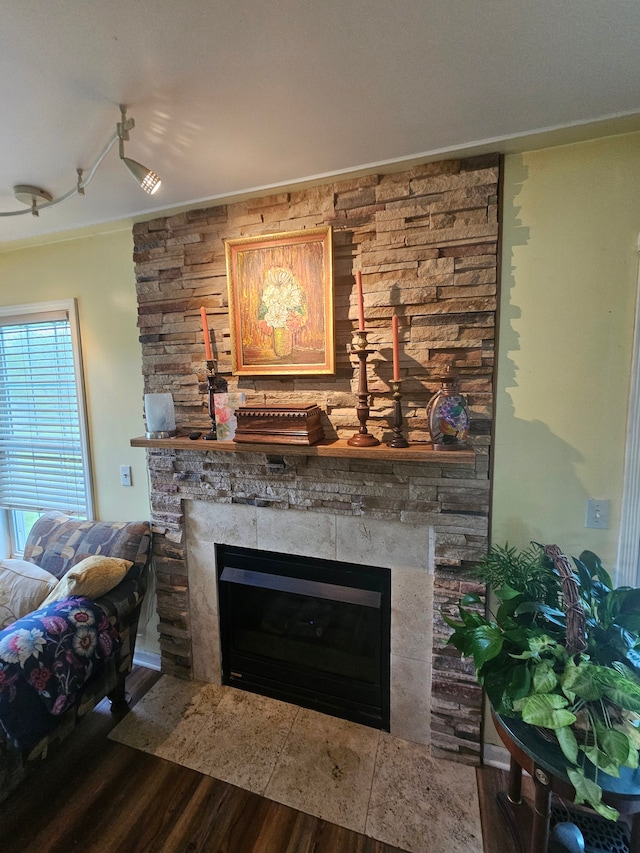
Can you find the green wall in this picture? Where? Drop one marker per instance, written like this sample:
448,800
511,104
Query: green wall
98,272
569,279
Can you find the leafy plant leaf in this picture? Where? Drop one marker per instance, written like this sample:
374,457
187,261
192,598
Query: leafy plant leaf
632,735
625,608
580,680
589,792
595,567
470,598
607,812
520,682
585,574
552,614
471,619
633,657
630,621
599,590
568,743
451,622
541,643
544,678
486,643
548,710
538,644
505,613
506,592
633,759
605,578
494,683
619,689
610,751
519,636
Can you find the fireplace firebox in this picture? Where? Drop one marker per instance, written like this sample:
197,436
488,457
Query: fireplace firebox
308,631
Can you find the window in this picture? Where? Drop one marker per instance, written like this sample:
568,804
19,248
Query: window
44,462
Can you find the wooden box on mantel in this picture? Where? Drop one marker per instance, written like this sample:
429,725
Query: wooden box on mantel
279,424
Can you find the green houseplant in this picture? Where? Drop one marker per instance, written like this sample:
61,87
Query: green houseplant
561,651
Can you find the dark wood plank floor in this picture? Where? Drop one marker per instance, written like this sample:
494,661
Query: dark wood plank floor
496,833
98,795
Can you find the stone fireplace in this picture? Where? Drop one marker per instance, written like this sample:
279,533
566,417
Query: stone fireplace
396,515
426,241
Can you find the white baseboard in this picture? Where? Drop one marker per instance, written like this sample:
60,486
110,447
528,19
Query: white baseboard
150,660
495,756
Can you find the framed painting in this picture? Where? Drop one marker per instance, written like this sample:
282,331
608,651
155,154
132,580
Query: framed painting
281,303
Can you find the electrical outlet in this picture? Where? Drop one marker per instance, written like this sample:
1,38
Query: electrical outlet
597,515
125,475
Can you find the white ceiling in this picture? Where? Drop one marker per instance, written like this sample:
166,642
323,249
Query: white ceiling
231,96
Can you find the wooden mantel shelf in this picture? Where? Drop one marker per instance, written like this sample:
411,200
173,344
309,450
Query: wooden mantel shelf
416,452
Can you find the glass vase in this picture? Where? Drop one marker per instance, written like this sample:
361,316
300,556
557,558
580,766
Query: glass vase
448,416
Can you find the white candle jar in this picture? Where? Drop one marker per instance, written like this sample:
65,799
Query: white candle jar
160,415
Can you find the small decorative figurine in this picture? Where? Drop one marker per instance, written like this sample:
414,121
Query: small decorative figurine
448,416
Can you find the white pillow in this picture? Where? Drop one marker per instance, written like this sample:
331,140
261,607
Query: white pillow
23,588
92,577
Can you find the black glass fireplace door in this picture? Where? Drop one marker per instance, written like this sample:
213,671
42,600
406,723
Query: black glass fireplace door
311,632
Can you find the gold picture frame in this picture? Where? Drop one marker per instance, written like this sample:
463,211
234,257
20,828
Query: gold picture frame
281,303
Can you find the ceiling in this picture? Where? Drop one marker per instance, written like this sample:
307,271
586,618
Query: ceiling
234,96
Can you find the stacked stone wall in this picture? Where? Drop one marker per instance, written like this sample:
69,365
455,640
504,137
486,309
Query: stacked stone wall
426,242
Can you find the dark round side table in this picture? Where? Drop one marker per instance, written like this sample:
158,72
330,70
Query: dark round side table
546,765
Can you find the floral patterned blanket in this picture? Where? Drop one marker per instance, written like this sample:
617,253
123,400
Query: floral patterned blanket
45,659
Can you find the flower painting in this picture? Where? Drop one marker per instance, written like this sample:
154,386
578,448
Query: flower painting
281,303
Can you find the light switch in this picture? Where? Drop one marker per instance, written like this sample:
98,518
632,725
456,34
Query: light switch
125,475
597,514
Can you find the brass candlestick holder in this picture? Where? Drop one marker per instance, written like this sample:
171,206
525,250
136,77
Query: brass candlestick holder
362,438
398,439
216,385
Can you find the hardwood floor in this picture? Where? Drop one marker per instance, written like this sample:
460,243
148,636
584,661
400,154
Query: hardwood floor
496,834
98,795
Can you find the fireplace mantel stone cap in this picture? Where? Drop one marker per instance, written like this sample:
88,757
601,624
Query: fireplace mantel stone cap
416,452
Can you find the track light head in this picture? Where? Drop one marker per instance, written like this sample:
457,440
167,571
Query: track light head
147,178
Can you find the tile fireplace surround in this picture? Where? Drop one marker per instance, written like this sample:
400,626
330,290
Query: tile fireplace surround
409,555
427,243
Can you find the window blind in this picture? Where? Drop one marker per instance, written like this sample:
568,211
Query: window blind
42,459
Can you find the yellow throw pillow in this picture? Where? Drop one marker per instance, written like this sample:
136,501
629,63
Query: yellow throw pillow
92,577
23,587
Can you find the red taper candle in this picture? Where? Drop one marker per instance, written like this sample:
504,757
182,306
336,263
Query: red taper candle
207,336
360,301
396,349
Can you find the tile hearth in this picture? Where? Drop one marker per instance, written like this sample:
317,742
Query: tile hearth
357,777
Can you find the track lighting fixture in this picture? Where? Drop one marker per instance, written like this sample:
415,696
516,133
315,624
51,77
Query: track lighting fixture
37,199
147,179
